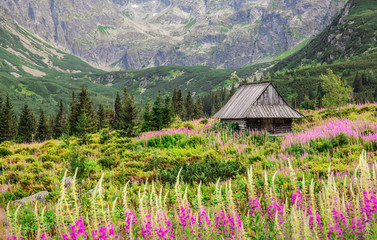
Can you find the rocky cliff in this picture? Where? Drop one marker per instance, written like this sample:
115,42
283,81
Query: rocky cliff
136,34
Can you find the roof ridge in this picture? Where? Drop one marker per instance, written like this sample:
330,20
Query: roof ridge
258,96
252,83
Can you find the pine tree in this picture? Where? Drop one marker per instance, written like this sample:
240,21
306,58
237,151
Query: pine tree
357,83
42,129
7,126
189,105
129,114
175,101
157,114
198,109
86,115
179,108
101,117
26,126
147,117
73,115
115,123
167,111
60,122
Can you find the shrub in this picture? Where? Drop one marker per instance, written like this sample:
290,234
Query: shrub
77,160
47,157
5,152
189,125
208,172
108,161
48,165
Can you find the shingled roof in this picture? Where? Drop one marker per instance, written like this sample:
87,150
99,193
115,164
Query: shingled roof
247,103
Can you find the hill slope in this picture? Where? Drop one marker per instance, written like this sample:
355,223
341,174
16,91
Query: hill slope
33,71
351,33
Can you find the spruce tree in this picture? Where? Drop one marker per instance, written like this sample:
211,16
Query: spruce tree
147,117
157,114
101,115
175,101
115,123
73,115
7,126
198,109
60,122
42,129
86,115
189,106
357,83
179,108
167,111
129,115
26,126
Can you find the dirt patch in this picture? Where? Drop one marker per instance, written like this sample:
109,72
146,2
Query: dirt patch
34,72
3,223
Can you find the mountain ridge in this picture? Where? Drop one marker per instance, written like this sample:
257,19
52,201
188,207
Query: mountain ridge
137,34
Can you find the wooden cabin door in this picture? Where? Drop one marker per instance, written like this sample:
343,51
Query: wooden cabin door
268,124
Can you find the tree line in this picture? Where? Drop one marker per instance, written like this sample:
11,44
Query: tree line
83,118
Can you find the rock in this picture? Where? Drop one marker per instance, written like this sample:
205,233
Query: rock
68,182
90,192
41,196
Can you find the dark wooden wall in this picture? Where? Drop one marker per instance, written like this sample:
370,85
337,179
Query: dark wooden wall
270,97
280,125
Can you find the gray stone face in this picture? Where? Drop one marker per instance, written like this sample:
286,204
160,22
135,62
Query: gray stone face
41,196
68,182
136,34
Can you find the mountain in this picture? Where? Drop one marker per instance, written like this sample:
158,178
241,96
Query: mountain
34,72
138,34
352,33
348,46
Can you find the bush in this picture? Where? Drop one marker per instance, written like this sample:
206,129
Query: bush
5,152
77,160
208,172
48,165
108,161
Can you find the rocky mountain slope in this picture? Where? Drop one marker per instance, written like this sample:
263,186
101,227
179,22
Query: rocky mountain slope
136,34
34,72
351,33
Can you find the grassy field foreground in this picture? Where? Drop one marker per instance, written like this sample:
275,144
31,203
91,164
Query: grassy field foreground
201,180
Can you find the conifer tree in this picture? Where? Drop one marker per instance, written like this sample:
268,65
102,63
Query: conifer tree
26,126
189,104
117,112
129,115
179,107
147,117
7,126
157,114
357,83
86,115
101,115
73,115
167,111
175,101
42,129
60,122
198,109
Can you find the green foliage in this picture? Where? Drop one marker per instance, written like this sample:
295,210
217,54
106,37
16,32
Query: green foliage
77,161
337,91
5,152
208,172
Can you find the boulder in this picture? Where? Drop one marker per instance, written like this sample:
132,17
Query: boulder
68,182
41,196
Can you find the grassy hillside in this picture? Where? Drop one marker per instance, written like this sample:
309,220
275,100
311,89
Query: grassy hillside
325,146
351,33
34,72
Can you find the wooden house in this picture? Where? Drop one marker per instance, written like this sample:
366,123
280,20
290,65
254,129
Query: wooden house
259,106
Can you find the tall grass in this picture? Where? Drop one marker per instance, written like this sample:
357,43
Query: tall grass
334,207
